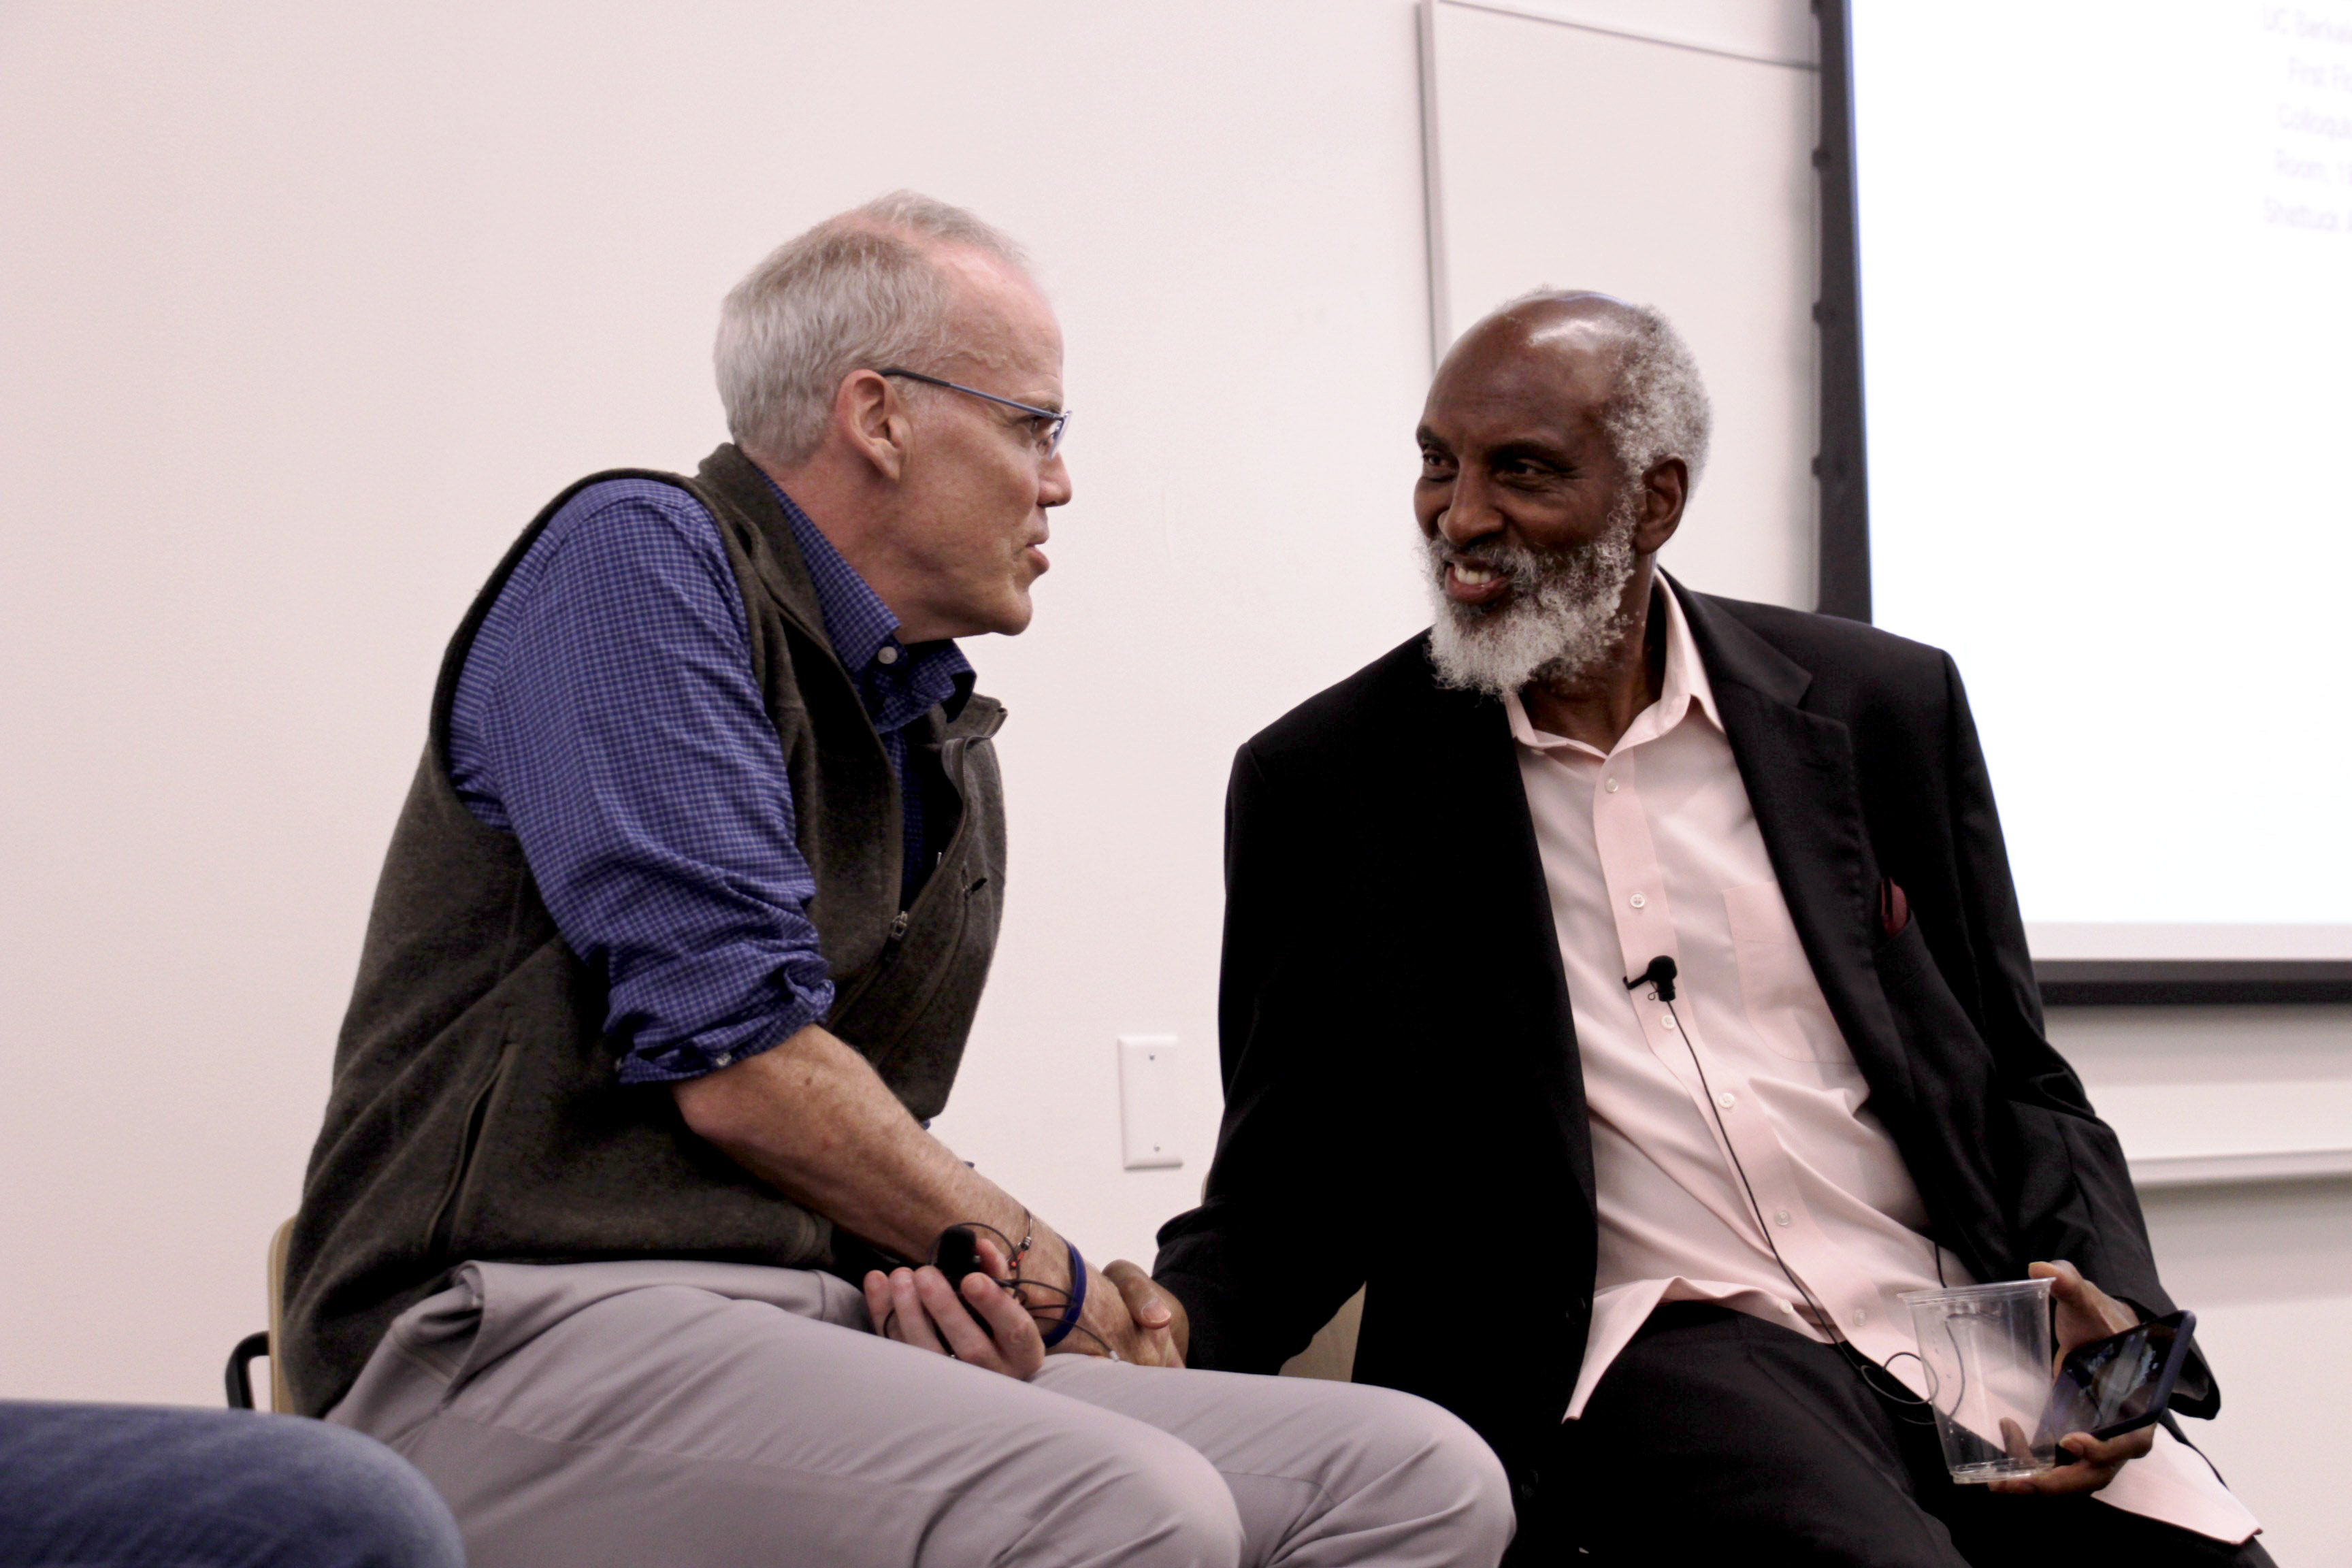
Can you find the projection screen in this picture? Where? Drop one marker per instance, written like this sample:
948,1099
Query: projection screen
2105,312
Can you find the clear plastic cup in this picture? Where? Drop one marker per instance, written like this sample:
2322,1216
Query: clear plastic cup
1986,1353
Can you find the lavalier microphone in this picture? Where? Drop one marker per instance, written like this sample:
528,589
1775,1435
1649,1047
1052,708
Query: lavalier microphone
1661,974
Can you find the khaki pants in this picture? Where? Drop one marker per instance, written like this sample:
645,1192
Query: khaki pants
682,1415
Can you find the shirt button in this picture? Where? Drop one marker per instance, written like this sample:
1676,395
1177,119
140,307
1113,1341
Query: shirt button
1726,1100
1609,784
1638,901
887,654
1779,1216
1861,1316
722,1059
1667,1022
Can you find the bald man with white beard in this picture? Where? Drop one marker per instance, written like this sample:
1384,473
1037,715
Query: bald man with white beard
1626,986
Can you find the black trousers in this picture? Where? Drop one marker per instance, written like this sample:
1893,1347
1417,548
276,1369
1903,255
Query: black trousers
1719,1439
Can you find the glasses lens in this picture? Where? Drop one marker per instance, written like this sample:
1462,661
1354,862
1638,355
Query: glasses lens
1052,434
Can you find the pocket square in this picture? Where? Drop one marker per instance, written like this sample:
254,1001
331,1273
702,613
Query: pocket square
1894,909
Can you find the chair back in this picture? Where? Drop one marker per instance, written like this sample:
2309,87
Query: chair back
281,1398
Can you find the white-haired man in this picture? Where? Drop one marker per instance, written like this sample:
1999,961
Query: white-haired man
679,938
1626,986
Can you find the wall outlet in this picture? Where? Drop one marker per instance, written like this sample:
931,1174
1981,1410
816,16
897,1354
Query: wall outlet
1149,1101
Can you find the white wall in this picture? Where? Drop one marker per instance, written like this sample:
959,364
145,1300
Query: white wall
305,310
2266,1267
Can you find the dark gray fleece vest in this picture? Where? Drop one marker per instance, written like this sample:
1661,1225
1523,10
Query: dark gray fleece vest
475,1111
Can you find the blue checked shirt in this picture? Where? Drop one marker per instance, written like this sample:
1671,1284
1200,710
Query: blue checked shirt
608,716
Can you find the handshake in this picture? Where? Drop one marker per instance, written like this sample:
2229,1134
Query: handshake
998,1304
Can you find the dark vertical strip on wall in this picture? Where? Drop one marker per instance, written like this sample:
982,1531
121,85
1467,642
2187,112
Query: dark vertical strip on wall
1843,562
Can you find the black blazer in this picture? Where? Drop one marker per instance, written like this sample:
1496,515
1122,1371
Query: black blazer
1404,1105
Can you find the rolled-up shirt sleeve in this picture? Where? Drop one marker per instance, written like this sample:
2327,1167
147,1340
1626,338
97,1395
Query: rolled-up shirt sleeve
608,716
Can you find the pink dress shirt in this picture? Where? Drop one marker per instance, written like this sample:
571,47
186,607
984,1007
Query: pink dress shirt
1652,849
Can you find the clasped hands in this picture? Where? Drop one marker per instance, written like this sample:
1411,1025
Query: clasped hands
1133,1321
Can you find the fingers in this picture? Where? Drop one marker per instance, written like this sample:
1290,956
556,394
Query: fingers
1158,1314
2060,1482
2014,1441
1016,1349
2098,1463
1153,1312
2113,1450
1107,1316
910,1322
1144,1302
2085,1312
966,1339
2063,1277
2070,1289
917,1306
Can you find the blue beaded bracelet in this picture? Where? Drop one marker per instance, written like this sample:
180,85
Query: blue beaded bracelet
1076,1303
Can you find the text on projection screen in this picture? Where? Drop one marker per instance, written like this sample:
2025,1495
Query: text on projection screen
2106,270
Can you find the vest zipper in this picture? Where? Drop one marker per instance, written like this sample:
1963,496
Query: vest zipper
441,1232
950,754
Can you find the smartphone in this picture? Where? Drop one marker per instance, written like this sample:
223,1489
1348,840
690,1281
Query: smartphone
957,1255
2119,1383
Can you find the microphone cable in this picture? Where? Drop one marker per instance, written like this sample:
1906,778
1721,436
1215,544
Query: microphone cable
1660,977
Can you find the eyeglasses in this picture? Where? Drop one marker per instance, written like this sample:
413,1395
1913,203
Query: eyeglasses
1053,422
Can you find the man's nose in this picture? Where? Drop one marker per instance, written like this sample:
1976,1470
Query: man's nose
1470,512
1054,486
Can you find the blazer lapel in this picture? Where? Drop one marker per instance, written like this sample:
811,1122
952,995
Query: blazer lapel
1499,905
1798,769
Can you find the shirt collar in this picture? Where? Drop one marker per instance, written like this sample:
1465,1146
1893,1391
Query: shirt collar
1684,687
861,628
1685,683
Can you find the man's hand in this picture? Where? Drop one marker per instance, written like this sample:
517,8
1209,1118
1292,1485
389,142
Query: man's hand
917,1306
1153,1308
2086,1313
1124,1316
1133,1316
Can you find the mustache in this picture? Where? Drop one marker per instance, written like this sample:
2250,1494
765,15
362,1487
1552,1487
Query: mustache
1529,570
1516,562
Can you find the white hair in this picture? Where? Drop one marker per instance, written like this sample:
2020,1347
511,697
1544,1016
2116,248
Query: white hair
1657,407
859,291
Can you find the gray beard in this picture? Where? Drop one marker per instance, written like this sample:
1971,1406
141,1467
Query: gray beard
1564,616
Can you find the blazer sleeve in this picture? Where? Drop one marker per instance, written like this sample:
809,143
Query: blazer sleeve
2072,1189
1278,1243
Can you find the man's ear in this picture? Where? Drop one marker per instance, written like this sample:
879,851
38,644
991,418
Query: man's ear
869,418
1663,489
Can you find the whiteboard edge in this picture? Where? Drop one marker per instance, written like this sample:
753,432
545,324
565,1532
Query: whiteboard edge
1532,14
1433,190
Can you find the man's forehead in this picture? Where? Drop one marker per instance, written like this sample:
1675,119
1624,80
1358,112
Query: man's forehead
1548,377
1002,322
